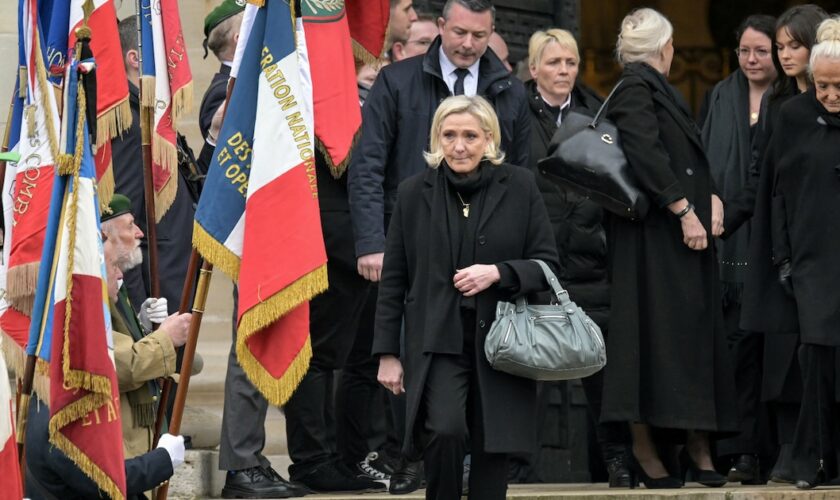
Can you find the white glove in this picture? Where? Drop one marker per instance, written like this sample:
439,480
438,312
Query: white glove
174,445
153,311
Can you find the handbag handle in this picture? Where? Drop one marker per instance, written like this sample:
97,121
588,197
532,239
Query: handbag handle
561,294
603,107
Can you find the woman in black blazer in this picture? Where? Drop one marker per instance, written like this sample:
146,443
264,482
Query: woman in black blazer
669,372
458,242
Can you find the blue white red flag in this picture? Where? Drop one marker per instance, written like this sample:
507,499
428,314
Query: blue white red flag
71,326
258,217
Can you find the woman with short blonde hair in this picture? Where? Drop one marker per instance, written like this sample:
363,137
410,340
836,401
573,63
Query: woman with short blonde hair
478,107
540,39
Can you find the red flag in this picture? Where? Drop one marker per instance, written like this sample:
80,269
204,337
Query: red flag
335,97
368,20
112,107
172,97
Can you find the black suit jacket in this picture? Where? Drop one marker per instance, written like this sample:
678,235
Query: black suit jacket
213,98
396,120
50,474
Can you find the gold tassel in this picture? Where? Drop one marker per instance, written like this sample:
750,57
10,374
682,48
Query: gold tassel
23,78
271,309
65,163
258,3
41,381
276,390
362,54
113,122
215,252
164,153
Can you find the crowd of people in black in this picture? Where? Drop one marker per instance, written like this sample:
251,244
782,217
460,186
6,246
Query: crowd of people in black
718,306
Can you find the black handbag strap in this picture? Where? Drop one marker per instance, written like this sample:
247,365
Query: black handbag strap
603,107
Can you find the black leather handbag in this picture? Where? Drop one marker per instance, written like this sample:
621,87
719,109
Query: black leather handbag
585,156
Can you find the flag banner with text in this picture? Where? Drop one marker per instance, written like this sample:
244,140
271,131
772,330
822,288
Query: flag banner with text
258,217
71,325
169,93
37,143
335,96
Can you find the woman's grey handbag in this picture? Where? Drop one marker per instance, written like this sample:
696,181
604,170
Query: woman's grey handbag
545,342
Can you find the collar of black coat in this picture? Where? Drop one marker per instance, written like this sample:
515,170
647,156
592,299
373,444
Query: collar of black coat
825,117
495,189
493,77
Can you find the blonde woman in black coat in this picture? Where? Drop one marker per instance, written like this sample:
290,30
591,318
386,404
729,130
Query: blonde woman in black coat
805,156
669,371
459,241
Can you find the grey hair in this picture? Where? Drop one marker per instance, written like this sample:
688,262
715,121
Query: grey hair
644,33
220,38
477,6
828,42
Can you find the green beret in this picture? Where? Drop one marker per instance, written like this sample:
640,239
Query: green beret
226,9
120,204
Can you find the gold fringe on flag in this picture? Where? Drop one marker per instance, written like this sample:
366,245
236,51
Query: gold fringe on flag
338,170
113,122
105,185
258,3
41,380
98,385
215,252
182,102
165,196
278,390
21,281
147,91
14,354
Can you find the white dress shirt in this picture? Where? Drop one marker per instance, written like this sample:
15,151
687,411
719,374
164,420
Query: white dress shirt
447,69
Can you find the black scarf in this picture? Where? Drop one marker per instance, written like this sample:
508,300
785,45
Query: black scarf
452,245
727,139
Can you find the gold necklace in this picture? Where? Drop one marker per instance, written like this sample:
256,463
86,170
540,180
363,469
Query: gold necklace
466,209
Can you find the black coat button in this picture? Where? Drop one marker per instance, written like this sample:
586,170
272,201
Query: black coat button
689,171
481,323
482,240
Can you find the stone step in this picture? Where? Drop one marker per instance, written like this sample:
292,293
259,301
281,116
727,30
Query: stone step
199,477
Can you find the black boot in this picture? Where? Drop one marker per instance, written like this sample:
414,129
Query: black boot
618,471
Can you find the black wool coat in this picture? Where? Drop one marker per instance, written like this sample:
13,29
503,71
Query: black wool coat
668,358
513,227
576,221
396,120
805,155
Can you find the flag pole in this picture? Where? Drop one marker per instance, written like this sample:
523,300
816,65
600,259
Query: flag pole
146,152
186,293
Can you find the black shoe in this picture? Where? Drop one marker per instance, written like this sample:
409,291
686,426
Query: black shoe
258,482
618,471
637,473
333,478
781,472
408,479
745,470
705,477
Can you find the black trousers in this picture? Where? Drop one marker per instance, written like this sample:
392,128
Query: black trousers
451,423
814,442
748,354
613,437
333,324
363,420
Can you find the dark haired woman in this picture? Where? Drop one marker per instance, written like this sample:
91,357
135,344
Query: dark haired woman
728,131
765,307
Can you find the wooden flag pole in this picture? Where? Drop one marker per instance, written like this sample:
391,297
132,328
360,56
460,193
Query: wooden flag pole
189,354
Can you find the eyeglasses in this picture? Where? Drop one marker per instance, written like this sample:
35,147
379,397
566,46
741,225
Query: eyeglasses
745,53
